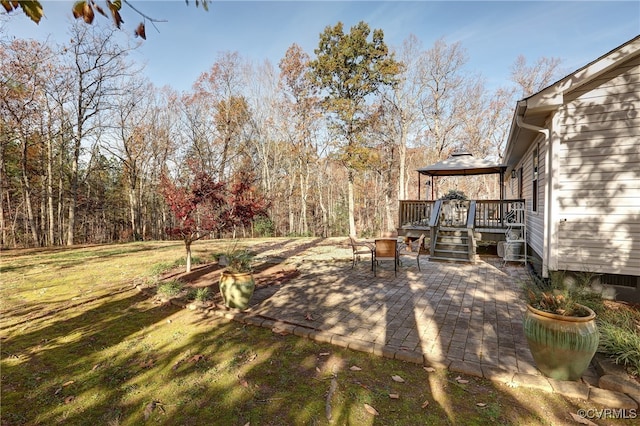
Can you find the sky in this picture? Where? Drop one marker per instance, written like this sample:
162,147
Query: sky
492,33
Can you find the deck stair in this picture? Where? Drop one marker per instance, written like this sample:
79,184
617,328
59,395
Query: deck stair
451,244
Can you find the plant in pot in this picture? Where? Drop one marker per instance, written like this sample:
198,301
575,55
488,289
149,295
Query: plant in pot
560,329
236,281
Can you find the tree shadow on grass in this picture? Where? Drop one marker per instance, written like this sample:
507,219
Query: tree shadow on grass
118,360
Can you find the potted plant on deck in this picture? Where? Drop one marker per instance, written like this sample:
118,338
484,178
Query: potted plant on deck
560,330
236,280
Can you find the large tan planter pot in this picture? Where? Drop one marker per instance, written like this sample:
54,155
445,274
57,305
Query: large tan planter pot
237,289
562,346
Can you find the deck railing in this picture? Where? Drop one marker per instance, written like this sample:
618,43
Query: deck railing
488,213
415,212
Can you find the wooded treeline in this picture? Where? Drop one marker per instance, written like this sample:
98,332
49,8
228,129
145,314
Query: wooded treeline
85,137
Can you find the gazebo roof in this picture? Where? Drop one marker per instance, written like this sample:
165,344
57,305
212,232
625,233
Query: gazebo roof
461,164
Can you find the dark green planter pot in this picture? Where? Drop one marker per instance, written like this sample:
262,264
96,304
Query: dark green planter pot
237,289
562,346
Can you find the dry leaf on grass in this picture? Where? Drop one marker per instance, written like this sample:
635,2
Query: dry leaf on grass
324,353
332,389
582,420
355,368
394,395
69,399
146,364
70,382
196,358
461,380
429,369
397,378
481,404
425,404
148,409
371,410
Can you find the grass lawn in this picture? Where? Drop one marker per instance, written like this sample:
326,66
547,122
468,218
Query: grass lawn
81,345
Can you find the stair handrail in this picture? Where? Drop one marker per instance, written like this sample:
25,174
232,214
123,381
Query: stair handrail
471,218
434,222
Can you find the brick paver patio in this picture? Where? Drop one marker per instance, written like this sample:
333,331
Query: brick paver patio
465,315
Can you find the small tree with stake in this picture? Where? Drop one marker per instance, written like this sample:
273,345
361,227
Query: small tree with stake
206,206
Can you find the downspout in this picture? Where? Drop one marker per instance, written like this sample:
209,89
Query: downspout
547,205
522,124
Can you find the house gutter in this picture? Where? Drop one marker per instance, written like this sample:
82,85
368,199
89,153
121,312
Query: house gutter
520,122
546,251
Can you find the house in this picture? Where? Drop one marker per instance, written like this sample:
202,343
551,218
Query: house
573,153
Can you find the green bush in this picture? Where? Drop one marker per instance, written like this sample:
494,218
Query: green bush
170,288
160,268
195,260
199,294
454,194
619,337
202,294
264,227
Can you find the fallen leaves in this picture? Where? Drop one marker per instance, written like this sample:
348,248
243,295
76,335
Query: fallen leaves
149,363
429,369
425,404
371,410
196,358
355,368
397,378
394,395
150,407
280,331
461,380
64,385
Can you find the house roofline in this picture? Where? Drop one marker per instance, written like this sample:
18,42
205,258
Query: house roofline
552,97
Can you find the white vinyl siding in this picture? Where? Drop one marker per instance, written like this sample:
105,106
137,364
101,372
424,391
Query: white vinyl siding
599,175
535,220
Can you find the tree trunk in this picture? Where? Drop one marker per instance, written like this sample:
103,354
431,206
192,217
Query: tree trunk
3,184
50,216
26,192
187,245
351,200
73,198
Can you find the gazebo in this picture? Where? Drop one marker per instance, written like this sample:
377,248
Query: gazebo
455,226
461,164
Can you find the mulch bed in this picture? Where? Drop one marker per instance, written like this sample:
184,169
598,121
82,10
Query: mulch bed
265,275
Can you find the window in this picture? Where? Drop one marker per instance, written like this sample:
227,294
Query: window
520,181
534,186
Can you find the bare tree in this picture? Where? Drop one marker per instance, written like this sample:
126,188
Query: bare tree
221,88
533,78
301,107
99,68
24,68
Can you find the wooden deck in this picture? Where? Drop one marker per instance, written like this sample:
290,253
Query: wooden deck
454,227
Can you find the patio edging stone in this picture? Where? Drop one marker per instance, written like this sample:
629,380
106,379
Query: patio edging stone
587,389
